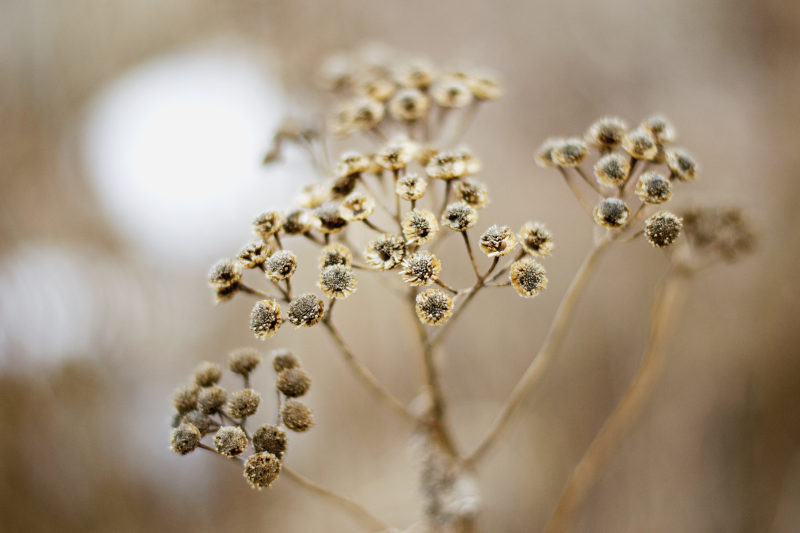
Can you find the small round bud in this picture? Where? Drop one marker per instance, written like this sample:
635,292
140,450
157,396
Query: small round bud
351,164
451,93
280,265
660,128
337,281
472,192
653,188
419,226
459,216
223,294
662,228
484,86
184,399
409,104
283,359
243,403
612,170
570,152
211,399
207,374
230,441
420,268
611,212
681,164
265,319
306,310
385,252
225,274
184,439
446,166
335,254
366,113
293,382
434,307
328,218
418,73
357,206
342,186
544,154
395,155
270,439
262,469
296,416
472,165
254,253
606,132
267,224
379,89
528,277
198,420
243,361
536,239
297,222
411,187
312,196
640,144
498,241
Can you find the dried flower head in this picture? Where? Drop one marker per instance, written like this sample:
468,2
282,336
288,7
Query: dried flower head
411,187
682,164
662,228
267,224
306,310
184,399
283,359
721,230
199,420
254,253
640,144
207,374
352,164
270,439
357,206
419,226
296,416
536,239
528,277
365,113
446,165
280,265
409,104
472,165
312,196
386,251
472,192
484,86
606,133
337,281
570,152
230,441
262,469
328,218
265,319
451,92
420,268
612,169
611,212
660,128
243,361
434,307
211,399
459,216
396,155
377,88
293,382
243,403
225,274
544,154
335,254
498,241
342,186
418,73
653,188
297,222
184,439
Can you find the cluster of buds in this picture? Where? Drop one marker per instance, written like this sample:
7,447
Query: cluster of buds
203,408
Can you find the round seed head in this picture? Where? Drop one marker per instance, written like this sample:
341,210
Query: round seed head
606,132
223,294
335,254
280,265
386,251
472,165
612,169
270,439
570,152
366,113
419,226
211,399
377,88
254,253
198,420
409,104
446,166
459,216
312,196
207,374
351,164
536,239
472,192
420,268
306,310
328,218
640,144
184,439
395,155
337,281
342,186
544,154
184,399
528,277
293,382
411,187
418,73
681,164
283,359
225,274
653,188
243,361
660,128
498,241
297,222
267,224
262,469
434,307
265,319
611,212
662,228
484,86
721,230
451,93
357,206
243,403
296,416
230,441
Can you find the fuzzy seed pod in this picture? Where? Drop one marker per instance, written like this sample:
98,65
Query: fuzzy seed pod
498,241
312,196
296,416
653,188
396,155
420,269
528,277
265,319
224,294
207,374
184,399
270,439
335,254
337,281
243,403
459,216
243,361
434,307
293,382
254,253
419,226
357,206
536,239
611,213
446,166
262,469
306,310
280,265
342,186
660,128
366,113
184,439
230,441
283,359
328,218
640,144
451,93
681,164
606,133
385,252
484,86
351,164
662,229
472,165
544,154
211,399
409,104
225,274
570,152
612,170
418,73
379,89
472,192
411,187
198,420
267,224
297,222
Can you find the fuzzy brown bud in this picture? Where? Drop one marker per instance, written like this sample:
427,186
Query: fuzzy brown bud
293,382
230,441
296,416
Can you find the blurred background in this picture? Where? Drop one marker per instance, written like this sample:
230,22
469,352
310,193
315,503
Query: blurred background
131,135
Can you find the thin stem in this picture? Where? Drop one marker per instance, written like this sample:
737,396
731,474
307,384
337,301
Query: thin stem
471,255
587,206
372,226
255,292
593,184
445,286
448,187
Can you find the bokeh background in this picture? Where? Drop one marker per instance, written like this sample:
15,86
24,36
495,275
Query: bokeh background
131,135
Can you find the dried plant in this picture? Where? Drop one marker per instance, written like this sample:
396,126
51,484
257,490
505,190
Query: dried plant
385,213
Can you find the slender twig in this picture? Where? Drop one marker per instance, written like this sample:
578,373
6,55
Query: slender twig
585,203
255,292
372,226
445,286
593,184
471,254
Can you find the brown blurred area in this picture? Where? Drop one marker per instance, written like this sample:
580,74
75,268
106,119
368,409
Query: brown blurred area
84,391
